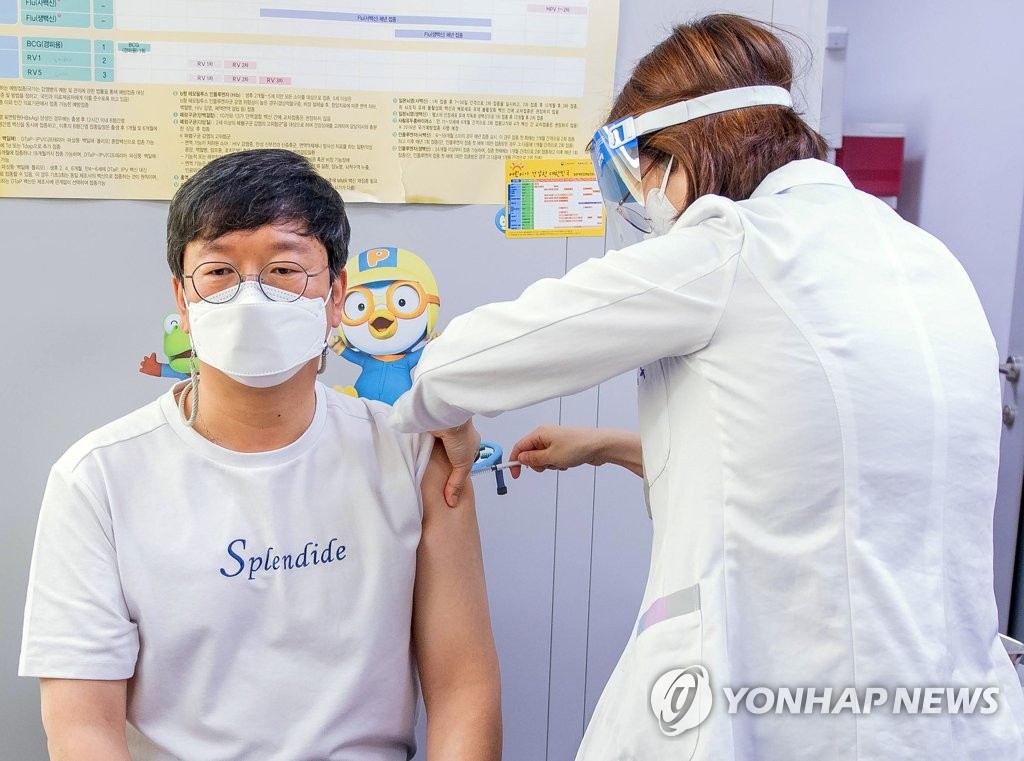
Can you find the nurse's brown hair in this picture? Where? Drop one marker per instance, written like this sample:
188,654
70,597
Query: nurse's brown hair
727,154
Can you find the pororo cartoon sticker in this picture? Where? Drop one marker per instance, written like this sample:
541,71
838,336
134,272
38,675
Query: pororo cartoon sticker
390,309
177,349
389,314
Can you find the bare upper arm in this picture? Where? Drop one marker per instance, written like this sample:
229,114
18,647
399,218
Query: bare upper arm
451,621
93,699
85,718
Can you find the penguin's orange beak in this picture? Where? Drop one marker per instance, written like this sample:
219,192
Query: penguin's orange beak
382,324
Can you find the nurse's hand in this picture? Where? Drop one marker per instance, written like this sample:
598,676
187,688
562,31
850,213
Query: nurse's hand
462,445
559,447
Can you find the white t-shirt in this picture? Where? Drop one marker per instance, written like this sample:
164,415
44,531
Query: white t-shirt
260,603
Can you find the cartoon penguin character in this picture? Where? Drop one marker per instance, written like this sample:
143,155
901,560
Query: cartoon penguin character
177,349
390,309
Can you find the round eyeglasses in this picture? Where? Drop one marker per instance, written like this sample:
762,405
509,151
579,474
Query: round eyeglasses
219,282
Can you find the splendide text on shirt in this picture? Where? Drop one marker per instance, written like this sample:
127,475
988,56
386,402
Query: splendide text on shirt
266,562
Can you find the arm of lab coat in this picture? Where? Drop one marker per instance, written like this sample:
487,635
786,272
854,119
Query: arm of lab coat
660,298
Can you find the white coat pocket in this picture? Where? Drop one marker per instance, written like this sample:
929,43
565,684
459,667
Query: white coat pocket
669,680
659,693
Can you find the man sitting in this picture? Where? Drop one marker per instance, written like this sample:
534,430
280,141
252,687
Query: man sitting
254,566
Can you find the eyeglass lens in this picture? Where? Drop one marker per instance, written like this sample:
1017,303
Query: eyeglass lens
218,282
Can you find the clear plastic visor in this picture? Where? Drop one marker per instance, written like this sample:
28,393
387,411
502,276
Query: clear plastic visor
615,149
616,156
615,152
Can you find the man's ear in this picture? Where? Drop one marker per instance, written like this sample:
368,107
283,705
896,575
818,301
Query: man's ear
179,297
338,288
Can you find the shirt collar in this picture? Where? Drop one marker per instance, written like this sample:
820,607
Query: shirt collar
801,172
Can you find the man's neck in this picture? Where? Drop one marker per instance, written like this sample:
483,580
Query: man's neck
247,419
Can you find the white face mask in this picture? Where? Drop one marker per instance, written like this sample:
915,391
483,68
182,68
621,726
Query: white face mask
659,210
257,341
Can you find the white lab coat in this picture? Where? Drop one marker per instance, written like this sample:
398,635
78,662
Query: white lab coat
820,416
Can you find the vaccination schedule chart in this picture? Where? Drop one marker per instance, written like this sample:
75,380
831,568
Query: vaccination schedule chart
424,102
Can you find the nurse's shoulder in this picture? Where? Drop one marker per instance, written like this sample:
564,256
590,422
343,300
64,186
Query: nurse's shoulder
707,236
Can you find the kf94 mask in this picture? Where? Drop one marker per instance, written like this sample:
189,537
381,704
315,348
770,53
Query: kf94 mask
660,212
255,340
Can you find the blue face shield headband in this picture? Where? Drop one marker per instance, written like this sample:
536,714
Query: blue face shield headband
615,149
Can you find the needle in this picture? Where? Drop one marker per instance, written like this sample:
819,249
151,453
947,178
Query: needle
502,466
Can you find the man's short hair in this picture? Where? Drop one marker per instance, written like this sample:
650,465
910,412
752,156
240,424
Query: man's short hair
250,189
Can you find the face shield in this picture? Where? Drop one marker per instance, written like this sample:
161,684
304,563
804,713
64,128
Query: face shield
615,149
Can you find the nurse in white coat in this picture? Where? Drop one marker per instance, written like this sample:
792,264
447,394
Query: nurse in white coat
820,420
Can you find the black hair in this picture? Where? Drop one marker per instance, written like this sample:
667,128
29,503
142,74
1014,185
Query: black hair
250,189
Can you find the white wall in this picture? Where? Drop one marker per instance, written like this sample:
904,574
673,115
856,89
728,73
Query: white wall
951,73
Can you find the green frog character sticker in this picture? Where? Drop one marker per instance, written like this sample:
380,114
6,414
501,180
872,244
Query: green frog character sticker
177,348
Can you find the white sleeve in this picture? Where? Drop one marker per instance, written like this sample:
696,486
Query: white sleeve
77,624
660,298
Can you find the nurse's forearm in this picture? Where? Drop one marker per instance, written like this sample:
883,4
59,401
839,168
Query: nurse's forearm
620,448
559,447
